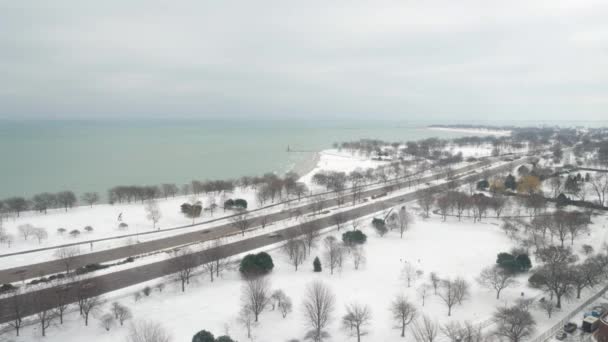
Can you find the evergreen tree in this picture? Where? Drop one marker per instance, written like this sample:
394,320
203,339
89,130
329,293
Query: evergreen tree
316,264
354,237
203,336
510,182
482,184
256,264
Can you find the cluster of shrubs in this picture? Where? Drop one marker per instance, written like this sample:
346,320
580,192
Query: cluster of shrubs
354,237
205,336
254,265
379,225
515,263
237,203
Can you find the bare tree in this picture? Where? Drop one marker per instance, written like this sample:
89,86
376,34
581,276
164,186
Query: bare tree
339,219
90,198
513,323
152,212
183,262
318,204
443,204
355,222
89,305
217,262
121,312
547,306
285,306
44,313
26,230
599,184
264,220
246,319
107,321
423,292
358,255
555,275
333,253
241,221
319,304
404,219
147,331
453,292
556,186
559,227
296,250
169,189
256,295
409,273
17,309
466,332
496,278
577,224
276,298
61,302
589,273
425,330
67,256
498,204
212,205
356,318
40,234
462,289
435,281
425,201
403,312
310,233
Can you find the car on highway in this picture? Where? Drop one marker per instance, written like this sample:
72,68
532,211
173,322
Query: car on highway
570,327
561,335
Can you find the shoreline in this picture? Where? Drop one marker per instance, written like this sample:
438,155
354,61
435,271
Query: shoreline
472,130
307,164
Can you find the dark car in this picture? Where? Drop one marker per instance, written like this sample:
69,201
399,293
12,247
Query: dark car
570,327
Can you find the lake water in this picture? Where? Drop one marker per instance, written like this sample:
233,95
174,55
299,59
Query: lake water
85,156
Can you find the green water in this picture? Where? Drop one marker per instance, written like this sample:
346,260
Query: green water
82,156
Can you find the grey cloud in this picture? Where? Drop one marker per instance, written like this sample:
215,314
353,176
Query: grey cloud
403,59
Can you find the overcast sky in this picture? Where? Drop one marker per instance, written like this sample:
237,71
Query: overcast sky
516,59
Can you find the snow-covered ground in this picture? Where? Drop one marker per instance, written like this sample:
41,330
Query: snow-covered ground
449,248
340,161
103,218
482,150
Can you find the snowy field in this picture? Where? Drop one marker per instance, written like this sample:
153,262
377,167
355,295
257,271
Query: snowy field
478,151
103,218
449,248
339,161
